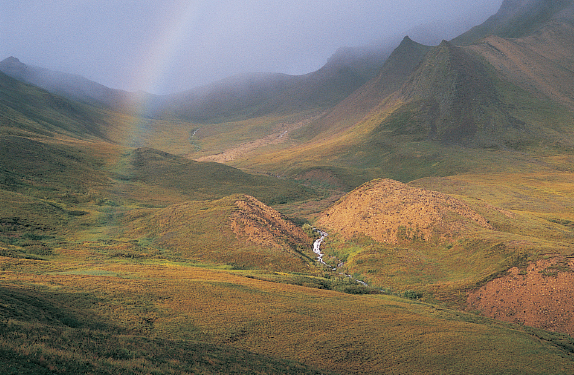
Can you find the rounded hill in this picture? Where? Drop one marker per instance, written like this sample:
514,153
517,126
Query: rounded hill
388,211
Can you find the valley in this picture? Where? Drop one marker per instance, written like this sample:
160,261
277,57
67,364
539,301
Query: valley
405,211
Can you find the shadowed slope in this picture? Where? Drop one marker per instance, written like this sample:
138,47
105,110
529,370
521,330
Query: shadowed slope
28,110
457,96
70,86
396,69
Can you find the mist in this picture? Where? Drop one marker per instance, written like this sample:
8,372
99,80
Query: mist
175,45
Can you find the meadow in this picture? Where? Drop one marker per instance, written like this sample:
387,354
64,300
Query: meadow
80,311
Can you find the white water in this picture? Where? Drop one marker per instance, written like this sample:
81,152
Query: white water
317,250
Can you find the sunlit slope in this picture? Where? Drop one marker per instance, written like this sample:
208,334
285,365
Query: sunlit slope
330,331
237,230
144,168
541,63
455,234
42,334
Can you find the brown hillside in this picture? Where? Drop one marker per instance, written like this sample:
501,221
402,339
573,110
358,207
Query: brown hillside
262,225
388,210
540,296
541,63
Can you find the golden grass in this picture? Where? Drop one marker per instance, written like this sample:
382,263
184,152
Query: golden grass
325,329
530,215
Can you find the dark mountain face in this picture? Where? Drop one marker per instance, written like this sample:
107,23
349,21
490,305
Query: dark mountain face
456,92
390,77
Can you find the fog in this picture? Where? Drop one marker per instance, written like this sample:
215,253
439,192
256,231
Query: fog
173,45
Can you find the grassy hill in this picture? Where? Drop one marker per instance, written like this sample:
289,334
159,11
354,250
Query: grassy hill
70,86
27,110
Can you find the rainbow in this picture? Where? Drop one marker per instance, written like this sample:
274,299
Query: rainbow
181,20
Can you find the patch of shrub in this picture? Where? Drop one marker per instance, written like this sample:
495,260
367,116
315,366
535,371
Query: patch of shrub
411,294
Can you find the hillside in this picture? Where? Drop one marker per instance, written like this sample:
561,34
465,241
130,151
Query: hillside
27,110
518,18
237,230
66,85
390,211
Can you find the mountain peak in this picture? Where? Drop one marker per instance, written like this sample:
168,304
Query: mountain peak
11,60
517,18
12,66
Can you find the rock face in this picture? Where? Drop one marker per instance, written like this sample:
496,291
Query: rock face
389,211
257,223
541,295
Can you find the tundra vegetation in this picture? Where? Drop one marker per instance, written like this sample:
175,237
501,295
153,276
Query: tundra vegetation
182,241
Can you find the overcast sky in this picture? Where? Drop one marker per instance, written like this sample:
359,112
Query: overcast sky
173,45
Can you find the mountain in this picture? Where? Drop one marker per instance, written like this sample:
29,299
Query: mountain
395,70
456,95
70,86
242,96
432,110
253,95
443,178
28,110
518,18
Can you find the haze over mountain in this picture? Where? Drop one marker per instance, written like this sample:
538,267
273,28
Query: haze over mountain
163,48
69,85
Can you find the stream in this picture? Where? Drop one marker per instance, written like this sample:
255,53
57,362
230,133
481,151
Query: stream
317,250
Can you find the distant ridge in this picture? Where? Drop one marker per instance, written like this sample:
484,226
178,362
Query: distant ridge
392,75
258,94
71,86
